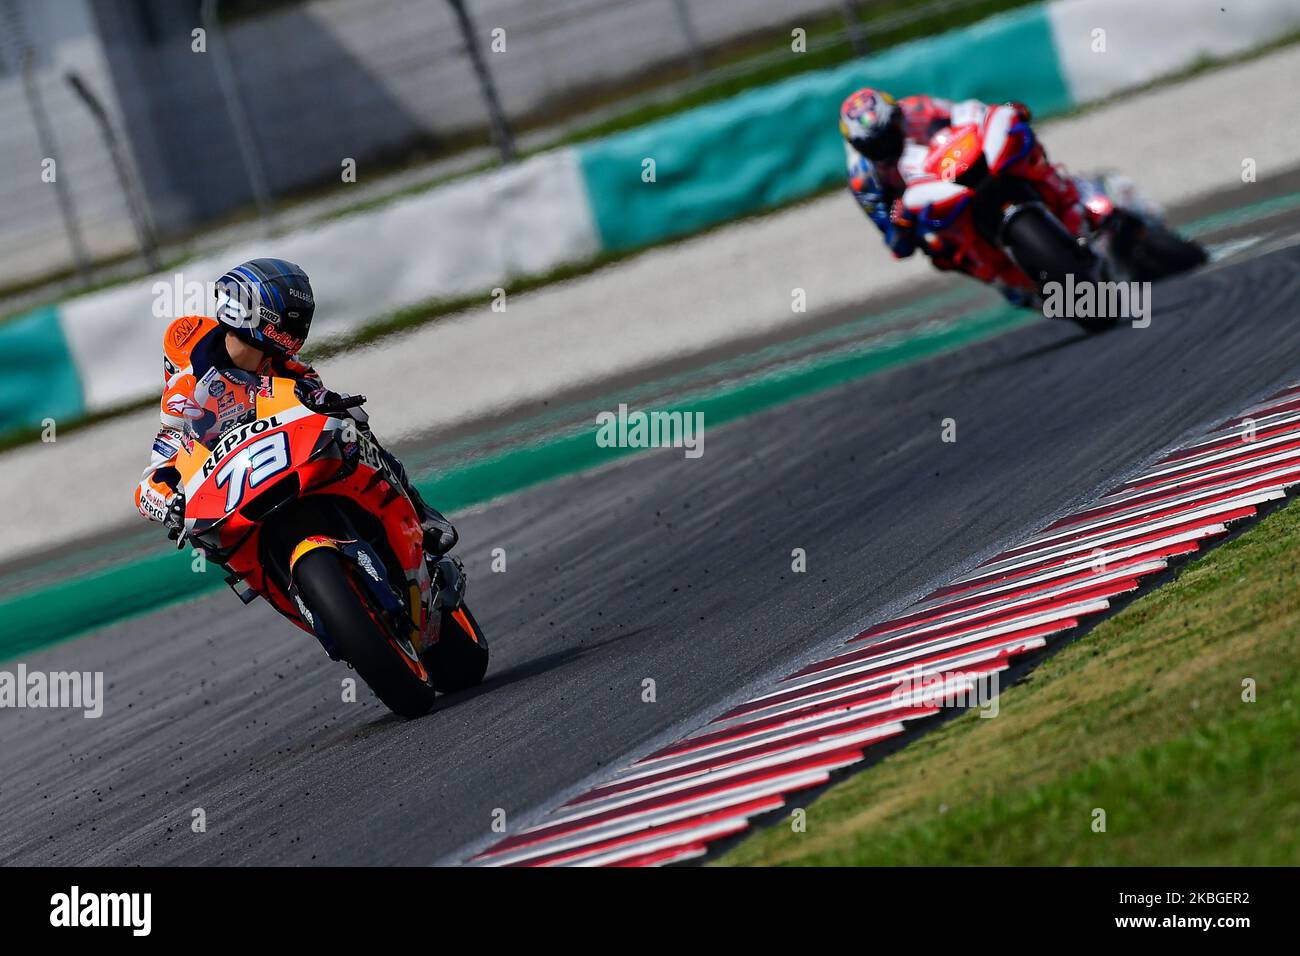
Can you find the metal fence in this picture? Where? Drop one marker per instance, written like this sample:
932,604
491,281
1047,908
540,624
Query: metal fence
62,203
168,116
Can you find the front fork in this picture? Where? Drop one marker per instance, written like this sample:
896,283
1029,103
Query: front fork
372,574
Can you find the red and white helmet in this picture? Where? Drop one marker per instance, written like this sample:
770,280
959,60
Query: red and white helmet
873,124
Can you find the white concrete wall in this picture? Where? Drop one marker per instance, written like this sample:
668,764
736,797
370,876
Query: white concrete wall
1109,45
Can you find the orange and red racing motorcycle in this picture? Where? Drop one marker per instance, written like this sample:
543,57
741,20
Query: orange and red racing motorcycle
300,508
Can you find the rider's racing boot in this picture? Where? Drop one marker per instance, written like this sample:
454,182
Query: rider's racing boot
440,535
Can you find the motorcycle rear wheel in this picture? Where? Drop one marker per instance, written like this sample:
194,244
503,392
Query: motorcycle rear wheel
360,640
1046,252
1160,252
460,658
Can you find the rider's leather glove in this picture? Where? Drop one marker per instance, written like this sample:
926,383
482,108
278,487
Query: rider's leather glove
175,519
313,394
325,402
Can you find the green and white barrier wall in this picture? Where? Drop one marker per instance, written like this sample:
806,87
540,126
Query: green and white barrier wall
753,152
38,378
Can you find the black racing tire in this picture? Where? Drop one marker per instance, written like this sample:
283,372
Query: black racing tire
1160,252
459,660
1046,252
325,587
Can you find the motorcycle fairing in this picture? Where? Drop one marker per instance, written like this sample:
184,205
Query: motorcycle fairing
960,161
323,456
1007,139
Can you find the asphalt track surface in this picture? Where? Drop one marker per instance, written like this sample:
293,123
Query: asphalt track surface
656,567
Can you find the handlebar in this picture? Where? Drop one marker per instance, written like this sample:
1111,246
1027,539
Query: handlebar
341,404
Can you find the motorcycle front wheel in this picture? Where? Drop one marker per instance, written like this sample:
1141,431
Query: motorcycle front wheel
1046,252
330,592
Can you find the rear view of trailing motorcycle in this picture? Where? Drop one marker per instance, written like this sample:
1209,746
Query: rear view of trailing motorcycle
300,507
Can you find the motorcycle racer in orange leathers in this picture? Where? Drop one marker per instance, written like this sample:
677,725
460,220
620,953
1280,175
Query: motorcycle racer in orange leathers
263,315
